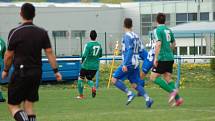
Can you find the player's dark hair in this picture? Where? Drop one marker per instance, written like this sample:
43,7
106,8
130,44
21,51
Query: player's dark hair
128,23
93,35
28,11
161,18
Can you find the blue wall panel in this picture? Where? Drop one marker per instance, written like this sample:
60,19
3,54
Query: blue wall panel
68,68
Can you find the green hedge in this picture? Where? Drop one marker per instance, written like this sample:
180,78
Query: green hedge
213,60
192,75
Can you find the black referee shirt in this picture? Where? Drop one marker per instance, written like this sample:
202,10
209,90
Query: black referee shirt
27,42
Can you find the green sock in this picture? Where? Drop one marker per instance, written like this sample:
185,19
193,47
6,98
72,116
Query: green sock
162,83
172,85
90,83
1,96
80,87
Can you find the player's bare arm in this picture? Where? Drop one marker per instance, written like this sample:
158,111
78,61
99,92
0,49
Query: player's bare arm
8,57
157,51
124,68
173,45
52,60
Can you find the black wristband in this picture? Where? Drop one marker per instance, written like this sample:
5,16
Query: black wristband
55,70
5,70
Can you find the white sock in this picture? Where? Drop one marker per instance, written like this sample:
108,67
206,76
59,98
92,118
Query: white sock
146,97
129,93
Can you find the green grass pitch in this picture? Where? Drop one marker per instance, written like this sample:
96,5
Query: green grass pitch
58,104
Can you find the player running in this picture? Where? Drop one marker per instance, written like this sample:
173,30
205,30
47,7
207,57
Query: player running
90,64
164,60
148,59
130,66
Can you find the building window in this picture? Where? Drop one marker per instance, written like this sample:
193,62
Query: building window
192,16
183,50
214,15
78,33
193,50
60,33
148,22
202,50
154,17
181,18
204,16
146,17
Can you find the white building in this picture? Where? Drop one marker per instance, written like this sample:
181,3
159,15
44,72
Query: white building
69,24
194,38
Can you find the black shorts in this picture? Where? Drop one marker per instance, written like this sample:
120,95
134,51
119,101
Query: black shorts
89,74
24,85
163,67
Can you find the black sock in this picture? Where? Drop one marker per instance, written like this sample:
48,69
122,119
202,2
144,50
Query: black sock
21,116
32,117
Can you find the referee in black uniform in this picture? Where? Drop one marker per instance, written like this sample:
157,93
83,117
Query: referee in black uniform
25,44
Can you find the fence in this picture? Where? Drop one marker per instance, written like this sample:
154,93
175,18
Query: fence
194,44
72,44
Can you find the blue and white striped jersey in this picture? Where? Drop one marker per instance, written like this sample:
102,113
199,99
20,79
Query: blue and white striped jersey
143,54
130,48
151,53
